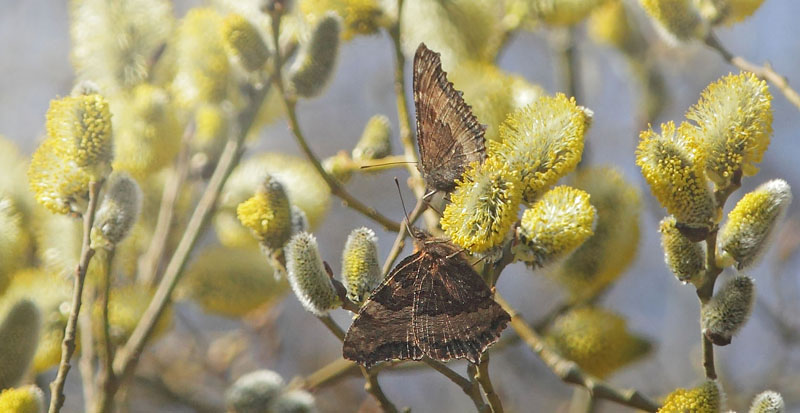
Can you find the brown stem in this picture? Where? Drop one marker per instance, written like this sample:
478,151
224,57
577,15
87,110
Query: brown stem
294,126
106,377
88,355
569,372
486,383
475,389
68,344
464,383
763,72
153,258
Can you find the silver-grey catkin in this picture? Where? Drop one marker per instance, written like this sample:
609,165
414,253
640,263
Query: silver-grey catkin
314,66
19,336
376,140
118,211
361,270
295,401
307,276
768,402
728,310
254,392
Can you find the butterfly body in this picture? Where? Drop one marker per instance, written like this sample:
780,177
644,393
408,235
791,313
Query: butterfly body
449,135
432,304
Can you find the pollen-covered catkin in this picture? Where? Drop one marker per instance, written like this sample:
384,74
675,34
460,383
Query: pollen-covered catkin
361,270
376,140
706,398
314,66
768,402
242,39
19,335
118,211
268,214
26,399
560,221
728,310
307,276
254,392
747,231
686,259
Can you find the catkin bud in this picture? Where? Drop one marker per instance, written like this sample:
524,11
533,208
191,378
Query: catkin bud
673,165
686,259
677,20
295,401
299,220
747,232
376,140
19,335
339,166
768,402
118,211
560,221
268,214
706,398
314,66
254,392
484,206
307,275
243,40
361,271
728,310
27,399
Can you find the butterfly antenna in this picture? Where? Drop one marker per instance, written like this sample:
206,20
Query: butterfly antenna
408,220
385,164
426,200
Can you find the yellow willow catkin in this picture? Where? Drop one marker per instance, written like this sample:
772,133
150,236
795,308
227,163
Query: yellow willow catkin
728,310
26,399
268,214
359,17
80,127
361,271
254,392
307,276
686,259
706,398
747,231
543,141
19,335
673,165
484,206
560,221
14,240
677,20
614,25
376,140
314,66
598,340
734,122
606,255
203,73
768,402
118,211
125,308
242,39
728,12
563,12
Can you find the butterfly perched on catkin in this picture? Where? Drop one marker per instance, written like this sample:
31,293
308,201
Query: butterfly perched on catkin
432,304
449,135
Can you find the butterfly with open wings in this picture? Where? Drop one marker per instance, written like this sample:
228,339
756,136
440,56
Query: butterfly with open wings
433,303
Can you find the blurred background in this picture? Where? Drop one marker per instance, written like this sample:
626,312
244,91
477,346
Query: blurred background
35,68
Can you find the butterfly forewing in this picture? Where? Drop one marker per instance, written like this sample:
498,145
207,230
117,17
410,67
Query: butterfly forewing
449,135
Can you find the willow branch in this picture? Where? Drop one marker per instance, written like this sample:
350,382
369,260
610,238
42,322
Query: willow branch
467,386
486,383
68,344
294,126
569,372
764,72
106,376
88,355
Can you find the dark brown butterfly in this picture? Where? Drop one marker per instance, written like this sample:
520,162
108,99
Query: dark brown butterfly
432,304
449,135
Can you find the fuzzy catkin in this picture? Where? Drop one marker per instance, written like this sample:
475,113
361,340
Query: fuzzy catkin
706,398
307,275
26,399
768,402
376,140
19,335
686,259
254,392
728,310
118,211
361,270
314,66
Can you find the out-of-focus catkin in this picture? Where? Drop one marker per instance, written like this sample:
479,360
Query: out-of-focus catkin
314,66
19,335
118,211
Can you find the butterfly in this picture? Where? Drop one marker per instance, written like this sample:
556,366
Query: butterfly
448,134
432,304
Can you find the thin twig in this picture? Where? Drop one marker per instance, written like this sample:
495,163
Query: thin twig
86,364
106,374
569,372
294,126
475,389
153,258
68,344
464,383
486,383
763,72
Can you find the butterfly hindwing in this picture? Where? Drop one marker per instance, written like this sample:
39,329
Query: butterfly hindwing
383,328
449,135
454,314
